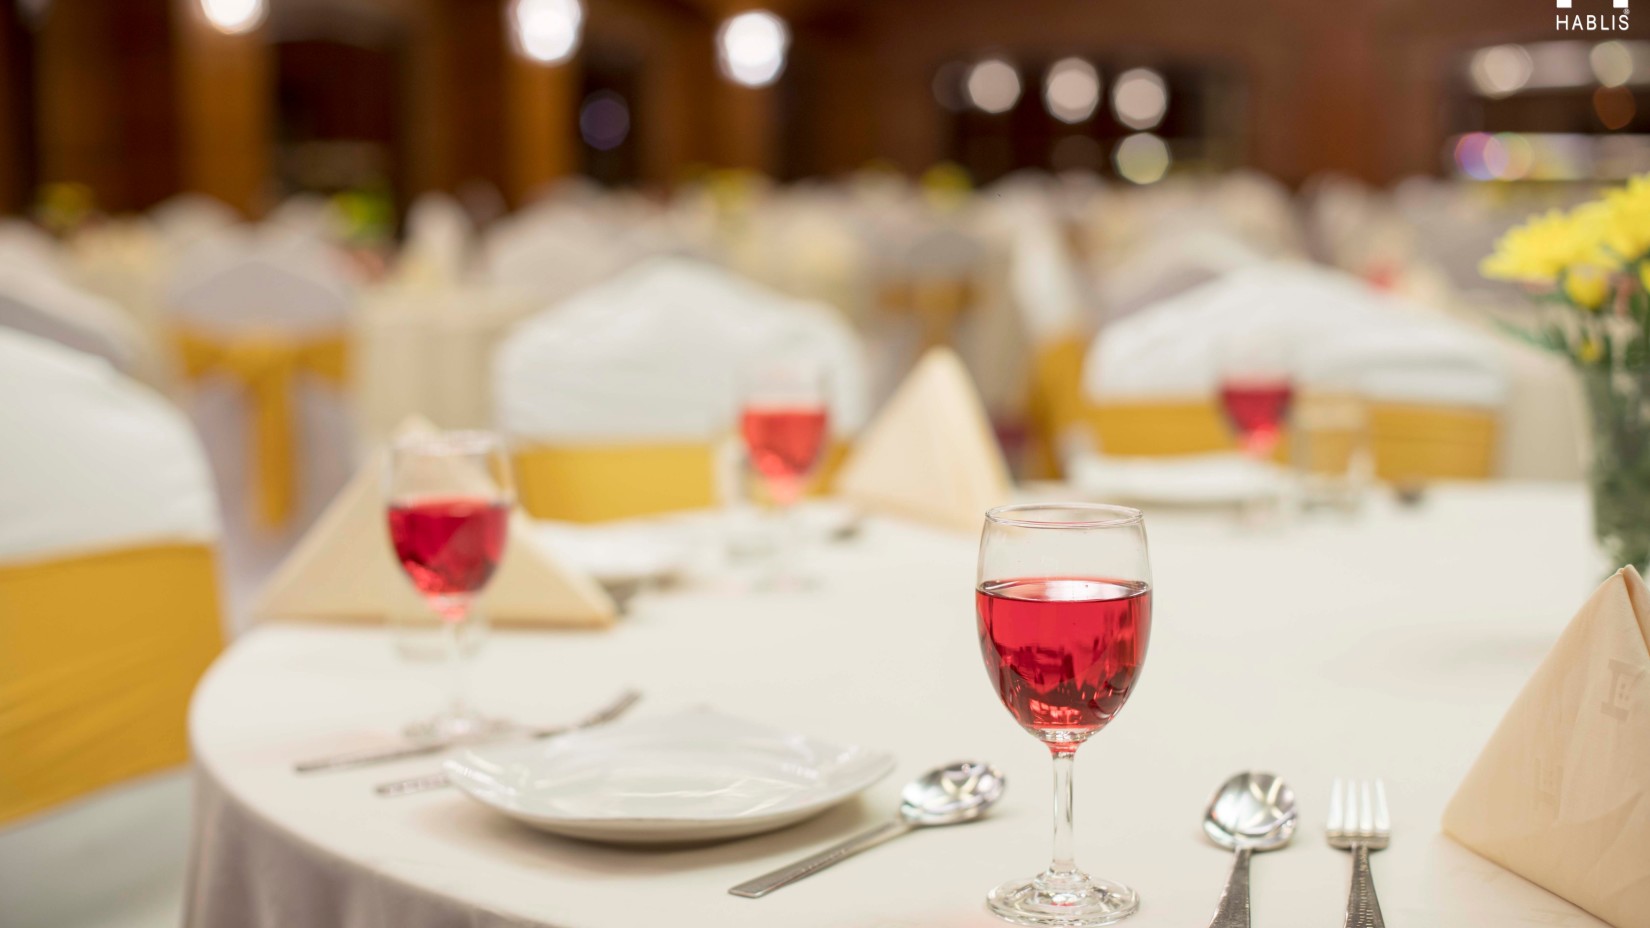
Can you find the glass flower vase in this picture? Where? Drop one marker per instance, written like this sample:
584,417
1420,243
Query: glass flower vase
1618,401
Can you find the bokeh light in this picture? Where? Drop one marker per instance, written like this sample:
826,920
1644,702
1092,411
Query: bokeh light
235,16
1072,90
1140,98
1142,158
1615,107
546,31
1501,70
604,120
993,85
751,48
1612,63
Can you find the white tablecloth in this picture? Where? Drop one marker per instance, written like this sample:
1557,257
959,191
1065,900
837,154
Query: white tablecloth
1387,646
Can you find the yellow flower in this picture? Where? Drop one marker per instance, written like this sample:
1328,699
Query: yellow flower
1587,286
1628,219
1644,274
1546,246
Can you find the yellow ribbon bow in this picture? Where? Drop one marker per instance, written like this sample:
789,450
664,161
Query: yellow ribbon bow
267,366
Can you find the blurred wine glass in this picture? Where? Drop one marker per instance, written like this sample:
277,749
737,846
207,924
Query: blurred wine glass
448,498
784,419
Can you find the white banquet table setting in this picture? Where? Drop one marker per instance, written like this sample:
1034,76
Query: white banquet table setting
1293,653
824,464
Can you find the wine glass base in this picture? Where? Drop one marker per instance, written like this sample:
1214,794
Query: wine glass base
451,728
1070,901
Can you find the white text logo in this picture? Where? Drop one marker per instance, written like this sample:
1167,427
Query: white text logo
1592,22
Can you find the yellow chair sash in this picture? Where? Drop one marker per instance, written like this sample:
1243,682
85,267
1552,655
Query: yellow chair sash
98,656
936,302
1055,399
266,366
595,483
1408,441
1415,442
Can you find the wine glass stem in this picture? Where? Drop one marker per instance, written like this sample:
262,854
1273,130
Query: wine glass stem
1063,863
458,677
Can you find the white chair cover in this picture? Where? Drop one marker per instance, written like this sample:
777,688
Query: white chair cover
53,309
1338,331
117,856
655,354
25,245
551,254
241,279
190,217
60,489
243,283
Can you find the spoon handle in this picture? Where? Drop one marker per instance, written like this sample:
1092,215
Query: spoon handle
1233,911
768,882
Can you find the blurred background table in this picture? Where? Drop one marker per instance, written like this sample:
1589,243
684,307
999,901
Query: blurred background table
1314,649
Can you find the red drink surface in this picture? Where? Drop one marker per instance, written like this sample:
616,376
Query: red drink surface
449,546
785,443
1257,409
1064,652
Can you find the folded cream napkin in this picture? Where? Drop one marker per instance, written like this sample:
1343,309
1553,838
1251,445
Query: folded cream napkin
1561,794
930,454
345,569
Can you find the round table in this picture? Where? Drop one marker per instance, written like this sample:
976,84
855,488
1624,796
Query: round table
1383,645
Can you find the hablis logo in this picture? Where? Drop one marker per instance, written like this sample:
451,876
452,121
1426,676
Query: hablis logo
1592,22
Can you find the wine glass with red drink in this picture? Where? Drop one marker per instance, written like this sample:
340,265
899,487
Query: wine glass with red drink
1256,390
1064,610
784,419
449,498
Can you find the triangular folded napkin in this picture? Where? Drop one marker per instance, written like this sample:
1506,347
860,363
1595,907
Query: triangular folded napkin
930,454
344,569
1561,794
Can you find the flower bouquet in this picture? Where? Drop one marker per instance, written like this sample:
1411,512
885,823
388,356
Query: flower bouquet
1591,267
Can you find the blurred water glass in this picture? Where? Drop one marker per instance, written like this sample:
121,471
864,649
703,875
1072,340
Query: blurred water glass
1329,449
419,637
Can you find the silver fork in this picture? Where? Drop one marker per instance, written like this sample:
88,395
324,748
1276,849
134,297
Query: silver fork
1358,823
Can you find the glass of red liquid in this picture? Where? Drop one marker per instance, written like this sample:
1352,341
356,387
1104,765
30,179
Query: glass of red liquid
1256,390
449,498
784,420
1064,610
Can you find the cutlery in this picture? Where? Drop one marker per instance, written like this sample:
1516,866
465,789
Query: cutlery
1250,812
950,795
385,755
409,785
1358,823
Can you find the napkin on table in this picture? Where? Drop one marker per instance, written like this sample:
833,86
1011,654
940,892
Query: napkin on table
930,454
1561,794
344,569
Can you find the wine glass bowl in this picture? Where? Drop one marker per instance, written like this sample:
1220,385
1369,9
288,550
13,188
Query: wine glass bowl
1063,605
1256,389
447,499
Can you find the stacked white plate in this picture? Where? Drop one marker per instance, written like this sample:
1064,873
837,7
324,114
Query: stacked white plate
696,776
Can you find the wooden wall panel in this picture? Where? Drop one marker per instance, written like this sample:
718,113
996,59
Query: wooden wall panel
226,110
105,113
17,142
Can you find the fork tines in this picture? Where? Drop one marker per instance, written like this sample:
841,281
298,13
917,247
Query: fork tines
1358,814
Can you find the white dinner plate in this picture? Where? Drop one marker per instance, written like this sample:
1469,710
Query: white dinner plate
696,776
621,553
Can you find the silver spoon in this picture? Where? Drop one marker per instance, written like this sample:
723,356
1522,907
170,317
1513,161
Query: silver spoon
949,795
1250,812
